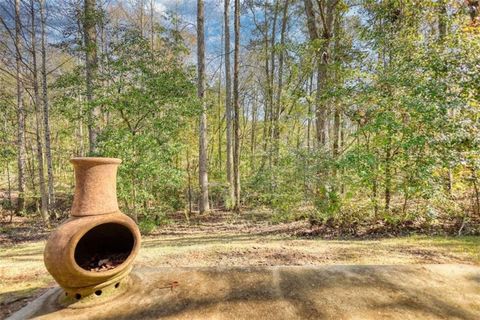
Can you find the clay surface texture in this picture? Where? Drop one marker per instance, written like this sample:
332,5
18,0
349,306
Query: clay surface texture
94,249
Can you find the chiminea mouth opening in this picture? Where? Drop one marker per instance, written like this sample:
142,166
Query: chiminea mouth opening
104,247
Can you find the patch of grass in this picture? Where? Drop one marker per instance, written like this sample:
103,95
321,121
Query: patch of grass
22,272
467,245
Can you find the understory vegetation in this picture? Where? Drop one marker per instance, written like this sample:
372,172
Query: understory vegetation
345,113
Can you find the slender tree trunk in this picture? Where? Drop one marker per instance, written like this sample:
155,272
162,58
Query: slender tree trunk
7,169
31,164
253,141
281,57
267,92
152,26
236,107
142,16
271,81
9,185
476,190
442,20
46,116
320,111
336,132
327,10
36,103
91,66
388,175
310,112
189,183
442,32
203,147
219,119
21,149
228,105
374,196
336,113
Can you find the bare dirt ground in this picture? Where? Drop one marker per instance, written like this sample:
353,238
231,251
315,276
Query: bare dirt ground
227,242
366,292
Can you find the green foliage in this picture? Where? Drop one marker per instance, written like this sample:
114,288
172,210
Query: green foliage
402,100
147,226
151,99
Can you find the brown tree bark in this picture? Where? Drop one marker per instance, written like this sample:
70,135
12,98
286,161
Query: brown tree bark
46,116
388,173
152,26
326,9
442,19
21,149
337,115
141,4
204,205
236,107
36,103
228,104
253,138
91,66
281,57
271,81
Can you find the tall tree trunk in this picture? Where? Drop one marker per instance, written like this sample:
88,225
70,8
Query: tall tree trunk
236,107
310,112
442,32
7,169
91,66
267,91
21,149
228,105
220,116
388,174
253,140
442,19
36,103
189,183
327,9
320,112
142,15
281,57
203,147
46,116
152,26
336,116
336,132
271,80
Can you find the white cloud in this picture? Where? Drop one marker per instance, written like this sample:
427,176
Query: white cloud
159,6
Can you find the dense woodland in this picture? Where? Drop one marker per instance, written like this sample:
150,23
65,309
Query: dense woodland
341,112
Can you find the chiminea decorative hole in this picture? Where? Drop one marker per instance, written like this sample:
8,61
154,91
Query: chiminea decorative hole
117,285
94,249
104,247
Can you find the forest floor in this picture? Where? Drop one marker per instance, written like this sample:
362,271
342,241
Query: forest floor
228,241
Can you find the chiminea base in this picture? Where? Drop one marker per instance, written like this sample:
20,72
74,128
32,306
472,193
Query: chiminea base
90,296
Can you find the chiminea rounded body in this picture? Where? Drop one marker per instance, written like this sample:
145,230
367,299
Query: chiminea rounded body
94,249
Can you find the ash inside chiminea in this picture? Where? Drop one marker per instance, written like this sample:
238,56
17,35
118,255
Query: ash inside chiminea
104,247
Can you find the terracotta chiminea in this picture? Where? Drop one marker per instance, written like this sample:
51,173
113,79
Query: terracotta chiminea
92,252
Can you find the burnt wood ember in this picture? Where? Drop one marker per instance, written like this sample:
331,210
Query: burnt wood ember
99,263
104,247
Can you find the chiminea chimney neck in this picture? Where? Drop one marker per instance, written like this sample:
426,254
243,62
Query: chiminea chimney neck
95,186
